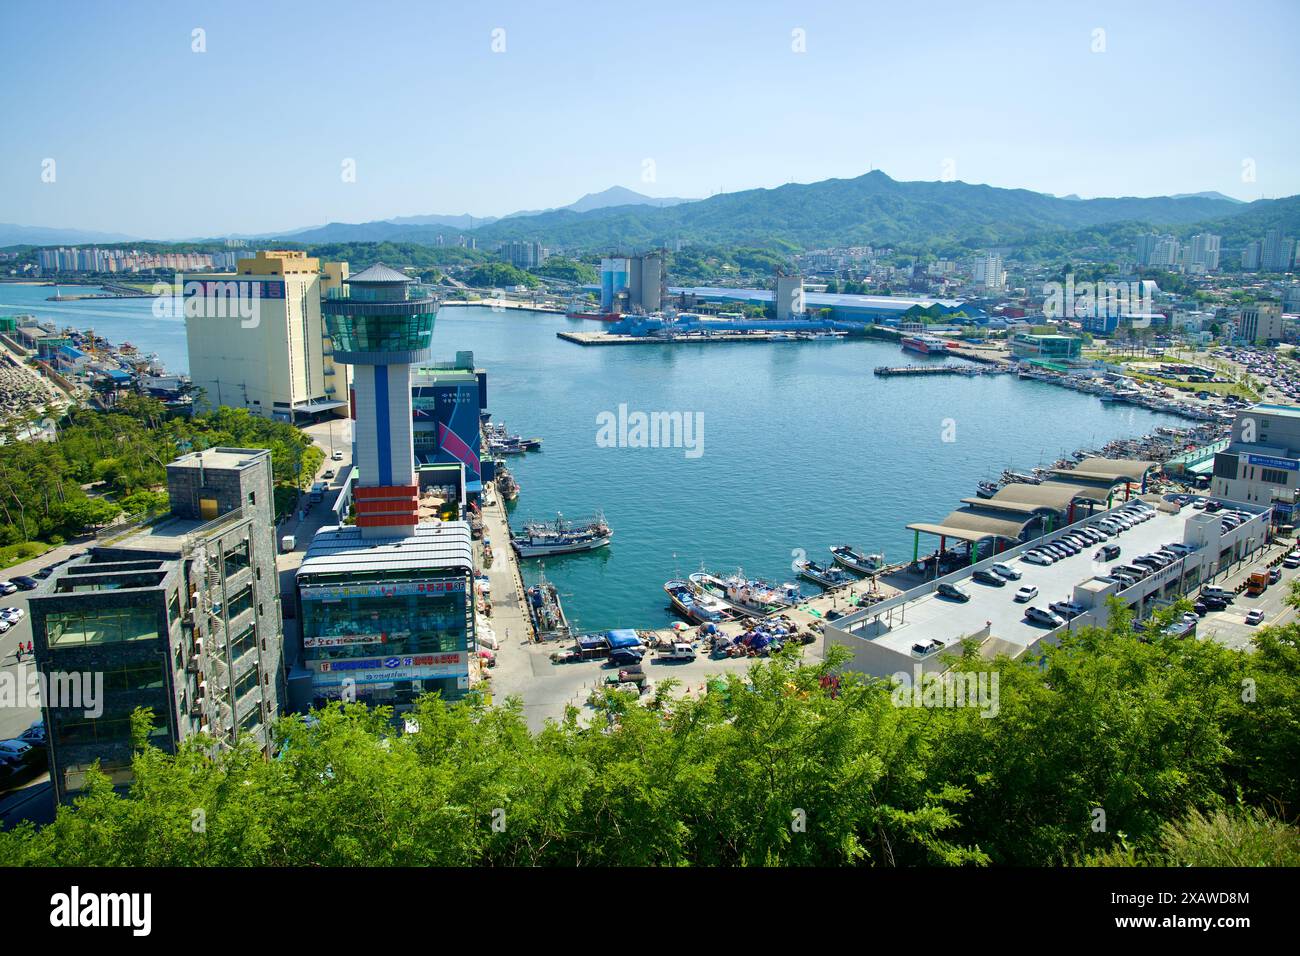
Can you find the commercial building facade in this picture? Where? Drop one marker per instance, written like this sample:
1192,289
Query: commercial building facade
256,338
180,616
1261,463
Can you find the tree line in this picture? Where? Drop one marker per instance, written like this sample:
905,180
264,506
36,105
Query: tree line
1121,746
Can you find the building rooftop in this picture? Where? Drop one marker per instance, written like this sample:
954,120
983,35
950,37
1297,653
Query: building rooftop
230,458
378,273
1287,411
341,549
932,617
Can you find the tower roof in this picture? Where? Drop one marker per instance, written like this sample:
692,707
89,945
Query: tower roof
379,273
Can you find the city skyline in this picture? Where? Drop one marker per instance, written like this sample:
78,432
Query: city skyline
518,109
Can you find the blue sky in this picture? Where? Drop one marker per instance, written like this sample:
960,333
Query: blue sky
152,139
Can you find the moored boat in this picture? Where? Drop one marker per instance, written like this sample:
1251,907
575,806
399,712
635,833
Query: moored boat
697,605
754,598
856,561
561,536
823,576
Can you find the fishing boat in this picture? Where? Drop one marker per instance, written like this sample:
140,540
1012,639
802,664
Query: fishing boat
1020,478
540,538
696,605
987,489
823,576
856,561
507,487
750,597
546,612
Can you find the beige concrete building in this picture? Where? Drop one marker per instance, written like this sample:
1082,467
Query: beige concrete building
256,339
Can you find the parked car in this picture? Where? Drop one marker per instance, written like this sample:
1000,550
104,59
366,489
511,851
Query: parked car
25,583
12,614
952,592
337,456
1026,593
1006,570
35,734
1038,557
1107,552
1254,617
7,588
622,657
1036,615
985,576
15,749
1292,560
1066,609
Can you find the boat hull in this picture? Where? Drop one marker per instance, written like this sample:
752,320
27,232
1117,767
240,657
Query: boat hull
526,550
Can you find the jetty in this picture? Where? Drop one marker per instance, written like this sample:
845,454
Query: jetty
970,371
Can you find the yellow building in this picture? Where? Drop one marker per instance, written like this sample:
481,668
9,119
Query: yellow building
256,339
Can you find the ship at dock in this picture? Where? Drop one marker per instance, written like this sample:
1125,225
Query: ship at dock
856,561
697,605
562,536
546,613
753,598
924,344
822,575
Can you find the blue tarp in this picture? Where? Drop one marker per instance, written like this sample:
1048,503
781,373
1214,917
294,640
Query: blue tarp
624,638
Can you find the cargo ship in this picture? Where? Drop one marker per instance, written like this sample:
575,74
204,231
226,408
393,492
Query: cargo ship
925,344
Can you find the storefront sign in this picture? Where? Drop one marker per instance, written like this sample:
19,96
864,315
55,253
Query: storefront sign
338,592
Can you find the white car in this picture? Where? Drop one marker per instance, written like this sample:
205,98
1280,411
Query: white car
12,614
1026,593
1006,571
7,588
1037,557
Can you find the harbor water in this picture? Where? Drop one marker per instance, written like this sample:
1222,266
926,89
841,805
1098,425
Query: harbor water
803,447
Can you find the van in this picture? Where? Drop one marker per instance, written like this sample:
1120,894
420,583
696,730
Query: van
1108,552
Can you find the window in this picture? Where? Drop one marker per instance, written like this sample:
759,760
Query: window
100,625
208,508
245,684
240,603
237,558
1274,476
126,677
245,642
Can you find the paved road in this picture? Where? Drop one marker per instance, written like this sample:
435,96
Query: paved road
1229,626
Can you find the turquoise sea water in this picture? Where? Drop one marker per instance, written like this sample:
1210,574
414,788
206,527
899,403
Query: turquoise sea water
803,447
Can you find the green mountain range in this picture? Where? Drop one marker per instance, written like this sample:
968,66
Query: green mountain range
873,209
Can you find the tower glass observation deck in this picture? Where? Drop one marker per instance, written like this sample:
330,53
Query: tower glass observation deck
377,327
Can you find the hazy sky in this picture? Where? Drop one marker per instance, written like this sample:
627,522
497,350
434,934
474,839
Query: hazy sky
669,98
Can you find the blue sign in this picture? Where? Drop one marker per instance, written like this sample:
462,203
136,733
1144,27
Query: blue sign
1290,464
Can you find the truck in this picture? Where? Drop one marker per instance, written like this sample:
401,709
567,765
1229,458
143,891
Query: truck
287,543
317,492
679,652
1257,582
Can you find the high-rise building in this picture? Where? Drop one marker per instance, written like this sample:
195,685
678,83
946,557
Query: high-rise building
1250,255
446,400
1261,322
1276,252
524,255
181,616
987,271
256,338
385,604
1203,254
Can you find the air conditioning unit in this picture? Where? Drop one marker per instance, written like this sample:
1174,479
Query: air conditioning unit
192,664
